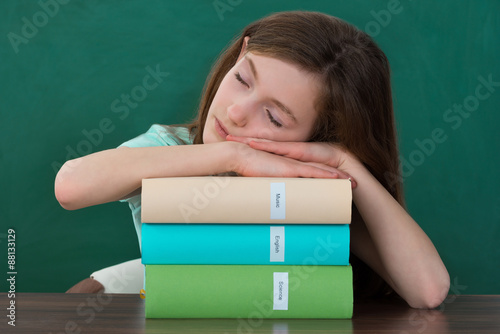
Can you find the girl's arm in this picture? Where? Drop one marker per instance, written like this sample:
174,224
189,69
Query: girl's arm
385,237
394,245
117,173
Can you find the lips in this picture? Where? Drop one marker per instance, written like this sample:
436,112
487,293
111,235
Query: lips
220,129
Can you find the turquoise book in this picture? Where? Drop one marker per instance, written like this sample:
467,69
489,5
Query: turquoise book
245,244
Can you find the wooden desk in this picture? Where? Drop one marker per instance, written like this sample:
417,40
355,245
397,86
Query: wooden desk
84,313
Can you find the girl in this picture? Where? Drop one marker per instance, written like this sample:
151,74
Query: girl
298,94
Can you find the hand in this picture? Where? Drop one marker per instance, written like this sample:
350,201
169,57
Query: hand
262,162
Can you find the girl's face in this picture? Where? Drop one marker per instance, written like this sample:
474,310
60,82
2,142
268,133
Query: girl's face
263,97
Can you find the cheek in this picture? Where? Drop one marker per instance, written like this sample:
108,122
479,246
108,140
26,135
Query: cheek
291,135
219,101
208,136
303,133
308,131
223,92
302,136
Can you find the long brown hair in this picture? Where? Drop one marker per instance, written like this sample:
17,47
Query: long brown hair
355,103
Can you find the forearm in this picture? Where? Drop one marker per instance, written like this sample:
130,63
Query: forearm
407,257
113,174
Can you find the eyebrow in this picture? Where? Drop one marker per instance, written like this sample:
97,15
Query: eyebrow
278,103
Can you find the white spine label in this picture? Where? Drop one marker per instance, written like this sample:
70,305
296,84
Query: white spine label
277,251
280,296
278,207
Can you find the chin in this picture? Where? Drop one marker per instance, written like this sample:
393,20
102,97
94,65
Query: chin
209,137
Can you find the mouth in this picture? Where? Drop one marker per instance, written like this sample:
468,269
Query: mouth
220,129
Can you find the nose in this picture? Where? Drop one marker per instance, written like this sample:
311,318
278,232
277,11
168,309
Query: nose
239,113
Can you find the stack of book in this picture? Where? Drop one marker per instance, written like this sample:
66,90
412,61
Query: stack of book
238,247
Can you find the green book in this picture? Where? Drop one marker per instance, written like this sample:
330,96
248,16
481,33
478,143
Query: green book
248,291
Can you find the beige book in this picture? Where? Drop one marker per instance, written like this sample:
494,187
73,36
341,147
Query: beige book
246,200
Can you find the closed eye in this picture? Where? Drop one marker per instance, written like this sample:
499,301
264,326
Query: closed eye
240,79
269,115
273,120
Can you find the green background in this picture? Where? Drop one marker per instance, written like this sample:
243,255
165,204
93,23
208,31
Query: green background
64,78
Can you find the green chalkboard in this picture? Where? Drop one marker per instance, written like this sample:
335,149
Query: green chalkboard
72,83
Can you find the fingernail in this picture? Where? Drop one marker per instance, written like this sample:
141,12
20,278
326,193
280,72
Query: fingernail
353,183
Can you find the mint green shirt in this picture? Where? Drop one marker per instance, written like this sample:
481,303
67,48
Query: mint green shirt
157,135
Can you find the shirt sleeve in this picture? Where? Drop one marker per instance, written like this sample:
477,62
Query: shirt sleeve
158,135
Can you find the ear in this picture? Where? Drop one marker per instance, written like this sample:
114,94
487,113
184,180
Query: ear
243,48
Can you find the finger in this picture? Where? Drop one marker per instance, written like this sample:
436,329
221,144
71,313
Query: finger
245,140
306,152
341,174
288,149
309,171
319,155
324,153
302,152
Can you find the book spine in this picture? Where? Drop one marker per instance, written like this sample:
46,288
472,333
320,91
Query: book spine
243,200
245,244
239,291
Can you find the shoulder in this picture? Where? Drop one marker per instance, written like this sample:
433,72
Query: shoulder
161,135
